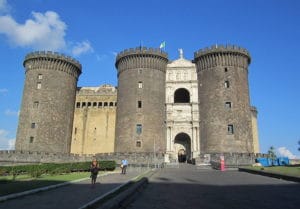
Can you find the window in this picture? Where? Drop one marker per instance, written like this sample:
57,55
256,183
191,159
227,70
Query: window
225,69
40,76
94,104
111,104
140,85
99,104
31,139
105,104
230,129
78,105
138,144
226,84
139,104
89,104
139,128
228,105
182,96
115,104
39,85
83,104
36,104
33,125
75,130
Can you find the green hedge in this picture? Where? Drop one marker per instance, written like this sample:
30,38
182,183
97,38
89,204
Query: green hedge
37,170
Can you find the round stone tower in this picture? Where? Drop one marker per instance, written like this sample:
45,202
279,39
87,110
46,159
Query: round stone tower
224,106
141,100
47,110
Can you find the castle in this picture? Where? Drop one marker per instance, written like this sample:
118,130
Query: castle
179,108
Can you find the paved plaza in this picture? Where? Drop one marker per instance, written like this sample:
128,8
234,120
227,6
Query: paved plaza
188,187
72,196
184,187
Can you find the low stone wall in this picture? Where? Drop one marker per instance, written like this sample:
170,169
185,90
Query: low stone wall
12,157
232,160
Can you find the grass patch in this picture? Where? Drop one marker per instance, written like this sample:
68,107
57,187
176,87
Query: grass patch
25,182
283,170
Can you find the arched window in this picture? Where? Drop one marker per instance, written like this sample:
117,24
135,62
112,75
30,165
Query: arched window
182,96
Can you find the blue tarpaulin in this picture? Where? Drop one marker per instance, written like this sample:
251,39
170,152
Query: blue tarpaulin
269,162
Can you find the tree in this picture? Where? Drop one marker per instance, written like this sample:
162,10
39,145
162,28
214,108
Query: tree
271,153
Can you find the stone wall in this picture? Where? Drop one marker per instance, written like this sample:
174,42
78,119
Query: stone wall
94,120
47,110
141,100
11,157
232,160
224,105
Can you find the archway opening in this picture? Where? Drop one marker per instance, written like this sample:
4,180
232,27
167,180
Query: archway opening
182,96
182,145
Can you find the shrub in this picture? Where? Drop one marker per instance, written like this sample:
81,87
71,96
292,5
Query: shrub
37,170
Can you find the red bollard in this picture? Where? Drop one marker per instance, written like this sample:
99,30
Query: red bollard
222,160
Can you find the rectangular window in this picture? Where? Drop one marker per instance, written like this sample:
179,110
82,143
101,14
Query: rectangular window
139,128
89,104
226,84
40,76
78,105
138,144
228,105
39,85
139,104
36,104
83,104
140,84
230,129
33,125
31,139
94,104
75,131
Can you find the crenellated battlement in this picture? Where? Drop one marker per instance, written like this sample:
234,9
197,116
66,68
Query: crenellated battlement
142,50
222,48
228,55
52,60
141,57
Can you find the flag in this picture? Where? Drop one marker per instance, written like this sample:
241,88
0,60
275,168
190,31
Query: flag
162,45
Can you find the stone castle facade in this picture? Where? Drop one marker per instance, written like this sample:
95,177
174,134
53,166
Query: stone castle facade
180,108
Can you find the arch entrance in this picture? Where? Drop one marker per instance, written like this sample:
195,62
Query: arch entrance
182,145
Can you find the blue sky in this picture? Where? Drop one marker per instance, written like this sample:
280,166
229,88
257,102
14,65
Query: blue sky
94,31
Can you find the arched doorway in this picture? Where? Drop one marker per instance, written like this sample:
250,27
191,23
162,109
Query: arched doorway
182,96
182,144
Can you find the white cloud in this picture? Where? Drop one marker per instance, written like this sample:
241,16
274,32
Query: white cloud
11,144
3,91
5,142
101,57
42,32
9,112
284,152
4,7
81,48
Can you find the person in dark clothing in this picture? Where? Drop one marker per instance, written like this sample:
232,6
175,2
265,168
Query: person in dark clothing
94,171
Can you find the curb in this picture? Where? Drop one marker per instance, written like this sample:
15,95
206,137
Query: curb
273,175
124,198
28,192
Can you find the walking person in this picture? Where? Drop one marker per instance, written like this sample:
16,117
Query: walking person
94,171
124,166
